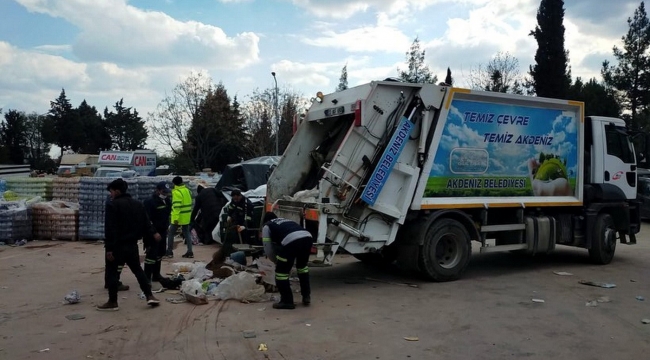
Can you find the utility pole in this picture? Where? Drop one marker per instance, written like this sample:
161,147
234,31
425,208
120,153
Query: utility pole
277,117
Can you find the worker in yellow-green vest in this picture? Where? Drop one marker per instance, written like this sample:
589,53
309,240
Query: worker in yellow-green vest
181,216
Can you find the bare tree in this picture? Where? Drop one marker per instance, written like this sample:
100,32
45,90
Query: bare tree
173,117
500,74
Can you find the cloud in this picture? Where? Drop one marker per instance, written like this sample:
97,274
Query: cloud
347,8
309,74
113,31
363,39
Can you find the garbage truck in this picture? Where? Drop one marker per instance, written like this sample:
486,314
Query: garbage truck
413,173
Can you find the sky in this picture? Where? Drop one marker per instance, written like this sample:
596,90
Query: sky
138,50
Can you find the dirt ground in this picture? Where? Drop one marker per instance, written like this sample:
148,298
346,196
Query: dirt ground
357,311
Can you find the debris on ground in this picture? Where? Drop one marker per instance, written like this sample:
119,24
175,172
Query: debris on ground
646,321
562,273
598,284
73,297
538,301
75,317
196,300
592,303
392,283
44,350
411,338
249,334
603,299
176,300
262,347
640,298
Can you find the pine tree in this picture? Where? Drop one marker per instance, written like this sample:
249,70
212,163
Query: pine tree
448,79
343,80
61,119
632,74
551,76
418,71
126,127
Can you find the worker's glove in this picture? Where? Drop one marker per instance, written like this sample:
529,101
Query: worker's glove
241,228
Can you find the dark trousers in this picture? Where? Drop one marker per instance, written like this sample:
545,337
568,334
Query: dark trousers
119,273
154,253
125,255
297,251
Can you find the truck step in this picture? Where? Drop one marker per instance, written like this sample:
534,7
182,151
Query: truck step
504,227
499,248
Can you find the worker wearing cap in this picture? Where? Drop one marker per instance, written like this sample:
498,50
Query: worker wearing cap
240,215
285,241
159,208
180,217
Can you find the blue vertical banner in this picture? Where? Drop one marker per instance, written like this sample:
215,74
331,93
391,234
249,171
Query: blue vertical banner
387,161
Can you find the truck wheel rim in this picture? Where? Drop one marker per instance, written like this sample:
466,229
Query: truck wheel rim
609,239
447,251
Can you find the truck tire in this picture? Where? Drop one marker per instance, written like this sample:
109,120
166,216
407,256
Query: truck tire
603,245
445,252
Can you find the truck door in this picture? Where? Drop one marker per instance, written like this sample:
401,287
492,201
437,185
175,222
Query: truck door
619,160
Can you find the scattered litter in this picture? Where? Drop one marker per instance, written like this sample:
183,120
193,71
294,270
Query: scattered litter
393,283
123,297
640,298
632,280
89,357
307,324
262,347
538,300
562,273
73,297
261,309
21,243
176,300
646,321
2,243
4,287
44,350
593,303
603,299
196,300
158,291
598,284
75,317
141,296
249,334
411,338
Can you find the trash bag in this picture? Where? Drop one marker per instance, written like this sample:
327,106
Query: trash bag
73,297
200,272
193,287
267,270
183,267
241,286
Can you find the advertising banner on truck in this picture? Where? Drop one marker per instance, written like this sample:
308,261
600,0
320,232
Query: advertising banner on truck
115,157
502,150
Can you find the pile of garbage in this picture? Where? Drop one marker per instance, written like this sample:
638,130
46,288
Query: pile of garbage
225,279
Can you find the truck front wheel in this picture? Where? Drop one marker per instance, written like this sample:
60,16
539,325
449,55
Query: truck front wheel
445,252
603,243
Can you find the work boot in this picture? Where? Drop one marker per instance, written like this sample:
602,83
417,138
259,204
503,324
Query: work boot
123,287
305,288
152,301
281,305
108,306
306,300
188,255
169,254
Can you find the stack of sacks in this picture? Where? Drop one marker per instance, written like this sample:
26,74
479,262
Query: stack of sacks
56,220
15,221
65,189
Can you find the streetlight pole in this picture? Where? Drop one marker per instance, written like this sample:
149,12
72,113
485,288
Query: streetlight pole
277,117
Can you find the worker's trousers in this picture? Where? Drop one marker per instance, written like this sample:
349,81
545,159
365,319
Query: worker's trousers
298,251
125,254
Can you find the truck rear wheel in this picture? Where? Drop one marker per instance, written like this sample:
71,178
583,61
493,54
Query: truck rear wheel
603,245
446,250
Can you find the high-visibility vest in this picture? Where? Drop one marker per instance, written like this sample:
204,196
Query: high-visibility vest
181,205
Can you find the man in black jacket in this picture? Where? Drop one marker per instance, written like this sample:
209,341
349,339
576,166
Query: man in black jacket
159,208
209,203
126,223
285,241
240,215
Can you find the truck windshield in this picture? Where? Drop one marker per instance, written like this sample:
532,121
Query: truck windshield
619,144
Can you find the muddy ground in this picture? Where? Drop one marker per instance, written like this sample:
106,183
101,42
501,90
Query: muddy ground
358,312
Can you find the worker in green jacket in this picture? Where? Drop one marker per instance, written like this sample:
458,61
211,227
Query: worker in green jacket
180,217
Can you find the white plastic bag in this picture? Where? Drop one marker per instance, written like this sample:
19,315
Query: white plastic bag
216,234
241,286
183,267
200,272
192,287
267,270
